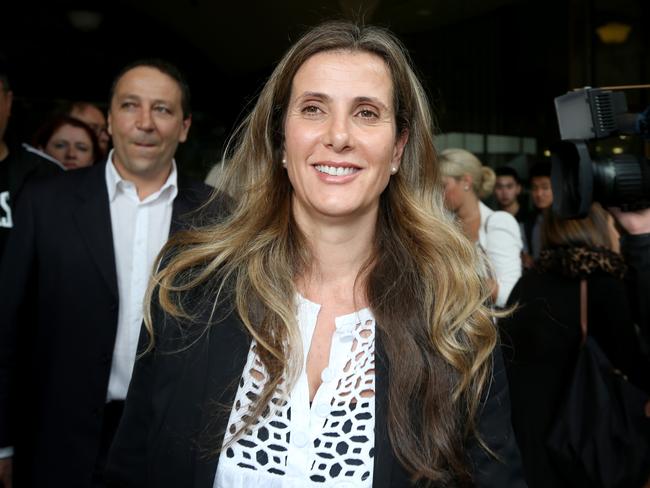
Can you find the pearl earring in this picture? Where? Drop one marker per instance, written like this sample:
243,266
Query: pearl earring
284,161
393,170
466,188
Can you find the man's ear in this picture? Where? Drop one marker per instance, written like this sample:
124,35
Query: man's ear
109,126
187,122
10,99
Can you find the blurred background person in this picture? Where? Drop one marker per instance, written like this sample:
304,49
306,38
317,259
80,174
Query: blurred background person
541,193
635,247
507,191
17,163
542,337
69,141
466,181
94,118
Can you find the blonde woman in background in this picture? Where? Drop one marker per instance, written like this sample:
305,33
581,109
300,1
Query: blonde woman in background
466,182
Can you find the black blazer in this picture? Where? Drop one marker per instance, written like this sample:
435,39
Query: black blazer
541,341
180,397
20,166
58,321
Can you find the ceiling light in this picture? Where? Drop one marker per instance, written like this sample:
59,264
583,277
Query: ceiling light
85,20
614,32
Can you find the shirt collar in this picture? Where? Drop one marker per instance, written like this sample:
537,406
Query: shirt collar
114,181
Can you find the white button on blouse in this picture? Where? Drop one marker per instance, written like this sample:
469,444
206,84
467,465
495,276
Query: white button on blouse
327,375
328,443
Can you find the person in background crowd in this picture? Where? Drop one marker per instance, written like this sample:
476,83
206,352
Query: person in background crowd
507,190
69,141
466,181
72,283
92,116
541,338
333,329
541,192
17,163
635,248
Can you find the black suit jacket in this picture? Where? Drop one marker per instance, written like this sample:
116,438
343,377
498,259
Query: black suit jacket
180,398
58,321
17,168
541,340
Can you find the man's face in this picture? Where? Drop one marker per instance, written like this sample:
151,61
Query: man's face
146,122
506,190
94,118
6,97
541,191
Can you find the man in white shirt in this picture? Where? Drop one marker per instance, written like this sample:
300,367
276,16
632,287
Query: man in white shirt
72,283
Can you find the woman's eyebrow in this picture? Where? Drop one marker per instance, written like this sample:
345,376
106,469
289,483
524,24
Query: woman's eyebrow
327,98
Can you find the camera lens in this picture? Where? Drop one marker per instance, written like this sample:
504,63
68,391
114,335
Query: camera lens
622,181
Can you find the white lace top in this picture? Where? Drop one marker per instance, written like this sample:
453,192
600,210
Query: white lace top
328,443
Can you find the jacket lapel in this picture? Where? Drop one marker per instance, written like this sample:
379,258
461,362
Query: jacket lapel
93,219
227,354
383,452
191,195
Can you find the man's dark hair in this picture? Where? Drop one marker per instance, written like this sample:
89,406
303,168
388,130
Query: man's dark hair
541,168
508,171
164,67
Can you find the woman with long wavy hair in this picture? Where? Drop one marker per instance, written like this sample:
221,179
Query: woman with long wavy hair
332,328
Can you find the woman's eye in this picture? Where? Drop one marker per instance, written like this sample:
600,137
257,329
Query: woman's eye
367,113
311,109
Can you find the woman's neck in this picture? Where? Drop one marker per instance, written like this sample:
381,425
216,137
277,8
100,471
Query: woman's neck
469,215
339,249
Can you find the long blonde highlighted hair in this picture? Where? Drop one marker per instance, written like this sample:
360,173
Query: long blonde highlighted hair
422,280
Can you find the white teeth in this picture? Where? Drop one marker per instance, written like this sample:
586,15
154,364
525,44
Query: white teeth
335,171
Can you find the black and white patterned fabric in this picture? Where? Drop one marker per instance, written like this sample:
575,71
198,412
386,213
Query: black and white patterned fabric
328,443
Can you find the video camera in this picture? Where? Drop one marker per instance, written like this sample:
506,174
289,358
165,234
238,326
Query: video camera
620,180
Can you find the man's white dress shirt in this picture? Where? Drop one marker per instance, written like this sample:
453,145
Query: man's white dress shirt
140,229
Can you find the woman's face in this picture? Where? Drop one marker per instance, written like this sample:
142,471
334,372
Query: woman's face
341,140
71,146
454,192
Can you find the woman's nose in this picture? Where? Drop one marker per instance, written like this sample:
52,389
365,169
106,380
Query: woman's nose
338,135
